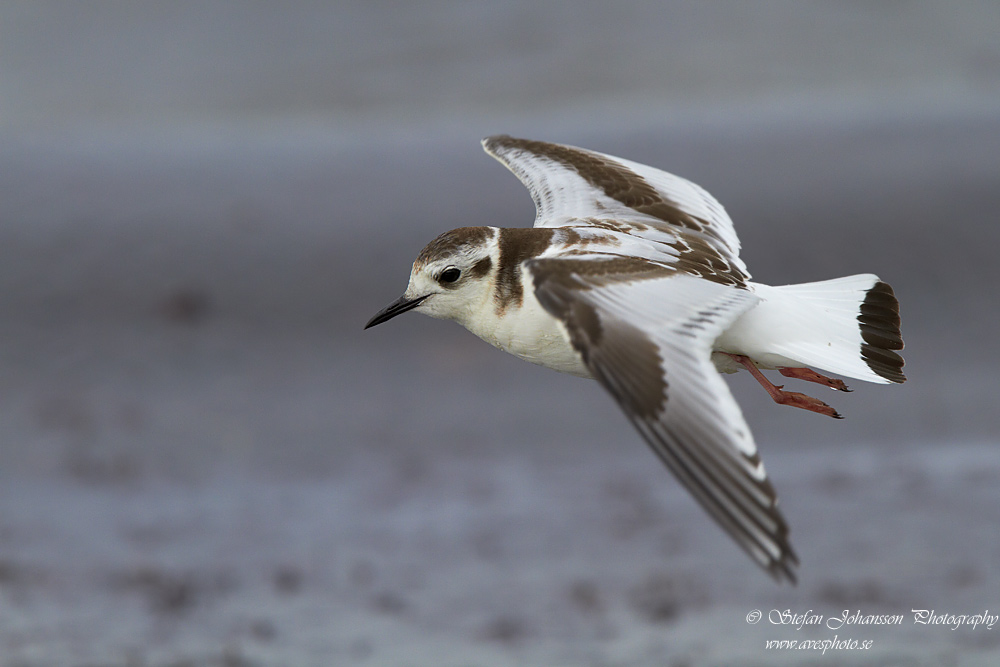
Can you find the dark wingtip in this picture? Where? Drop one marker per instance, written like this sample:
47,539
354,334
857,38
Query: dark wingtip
784,572
782,569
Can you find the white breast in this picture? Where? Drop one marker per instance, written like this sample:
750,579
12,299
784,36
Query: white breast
530,333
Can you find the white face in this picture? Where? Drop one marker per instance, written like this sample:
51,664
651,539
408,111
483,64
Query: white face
451,278
453,287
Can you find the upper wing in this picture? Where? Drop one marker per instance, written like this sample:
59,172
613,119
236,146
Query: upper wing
648,342
573,184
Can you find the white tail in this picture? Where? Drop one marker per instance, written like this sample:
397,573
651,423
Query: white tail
848,326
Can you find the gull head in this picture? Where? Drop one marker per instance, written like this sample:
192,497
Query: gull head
451,278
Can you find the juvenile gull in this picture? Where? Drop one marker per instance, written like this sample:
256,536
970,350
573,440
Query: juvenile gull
632,276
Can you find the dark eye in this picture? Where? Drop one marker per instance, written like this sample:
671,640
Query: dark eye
449,275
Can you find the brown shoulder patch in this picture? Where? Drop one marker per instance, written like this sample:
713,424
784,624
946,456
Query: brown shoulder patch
517,244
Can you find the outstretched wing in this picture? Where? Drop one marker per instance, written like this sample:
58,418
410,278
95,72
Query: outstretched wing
648,341
572,185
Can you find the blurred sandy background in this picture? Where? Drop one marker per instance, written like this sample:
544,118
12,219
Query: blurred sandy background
205,461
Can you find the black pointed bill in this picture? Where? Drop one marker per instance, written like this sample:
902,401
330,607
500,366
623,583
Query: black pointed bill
397,307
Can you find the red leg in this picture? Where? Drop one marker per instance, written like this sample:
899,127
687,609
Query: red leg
809,375
792,398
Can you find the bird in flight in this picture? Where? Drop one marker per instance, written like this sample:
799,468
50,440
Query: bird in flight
632,276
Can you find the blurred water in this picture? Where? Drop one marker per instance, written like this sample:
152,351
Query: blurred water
123,263
188,62
201,204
